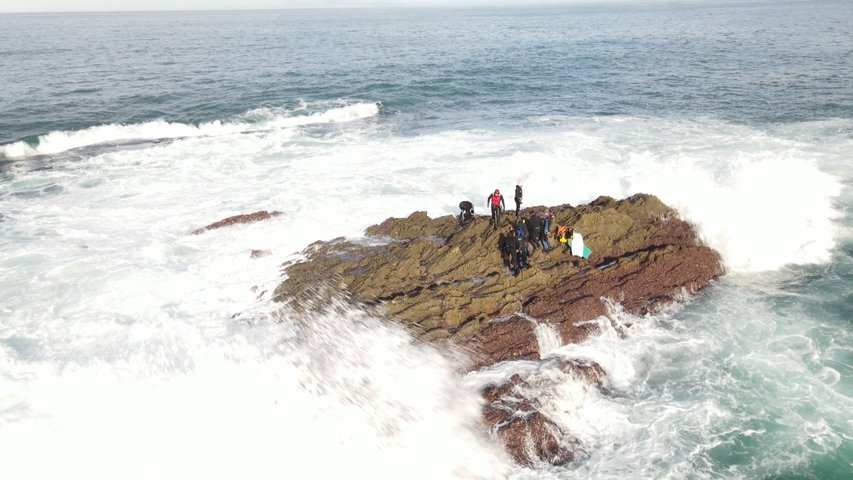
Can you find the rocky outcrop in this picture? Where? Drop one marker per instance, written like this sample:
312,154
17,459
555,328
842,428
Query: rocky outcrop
528,434
243,218
447,284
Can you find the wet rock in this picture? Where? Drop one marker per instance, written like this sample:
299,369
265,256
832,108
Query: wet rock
527,433
589,372
493,393
513,338
448,283
243,218
260,253
535,438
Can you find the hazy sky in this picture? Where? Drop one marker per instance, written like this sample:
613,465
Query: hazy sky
135,5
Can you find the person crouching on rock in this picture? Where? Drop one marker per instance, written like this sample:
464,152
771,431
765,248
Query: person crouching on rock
509,247
467,212
523,235
523,254
563,234
534,228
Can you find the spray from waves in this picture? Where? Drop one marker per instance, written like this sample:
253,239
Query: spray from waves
333,395
252,121
761,197
761,214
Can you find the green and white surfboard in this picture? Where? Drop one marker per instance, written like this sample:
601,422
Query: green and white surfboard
578,248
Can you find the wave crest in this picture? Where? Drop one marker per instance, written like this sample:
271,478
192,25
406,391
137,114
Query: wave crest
263,119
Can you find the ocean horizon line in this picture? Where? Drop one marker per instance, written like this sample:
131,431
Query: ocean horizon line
442,6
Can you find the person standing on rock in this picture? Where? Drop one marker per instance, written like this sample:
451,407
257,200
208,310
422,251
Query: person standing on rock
546,228
517,200
496,202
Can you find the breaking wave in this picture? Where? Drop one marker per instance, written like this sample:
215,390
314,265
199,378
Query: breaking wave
252,121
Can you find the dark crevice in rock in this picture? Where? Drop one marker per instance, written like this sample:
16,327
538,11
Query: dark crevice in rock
431,287
529,301
468,321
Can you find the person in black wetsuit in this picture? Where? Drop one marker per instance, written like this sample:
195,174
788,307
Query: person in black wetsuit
512,253
523,253
549,217
534,228
496,203
523,235
508,254
517,199
467,212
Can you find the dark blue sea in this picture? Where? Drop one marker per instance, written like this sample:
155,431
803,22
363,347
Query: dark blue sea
131,348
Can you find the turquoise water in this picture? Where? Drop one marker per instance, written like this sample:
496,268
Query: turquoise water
122,333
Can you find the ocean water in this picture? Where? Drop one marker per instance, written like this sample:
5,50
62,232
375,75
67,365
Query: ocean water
130,348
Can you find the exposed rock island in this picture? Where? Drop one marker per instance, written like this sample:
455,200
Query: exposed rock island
447,284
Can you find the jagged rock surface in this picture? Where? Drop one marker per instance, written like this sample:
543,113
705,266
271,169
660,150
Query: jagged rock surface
448,283
527,433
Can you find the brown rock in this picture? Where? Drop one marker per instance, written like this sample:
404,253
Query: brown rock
493,393
589,372
243,218
528,435
448,282
260,253
507,339
548,441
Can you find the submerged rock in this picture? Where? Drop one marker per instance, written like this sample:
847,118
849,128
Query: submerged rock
447,283
243,218
528,434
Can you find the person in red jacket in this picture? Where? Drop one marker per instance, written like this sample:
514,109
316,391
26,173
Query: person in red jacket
496,203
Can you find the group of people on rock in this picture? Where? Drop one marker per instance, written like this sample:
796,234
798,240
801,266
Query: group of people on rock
524,235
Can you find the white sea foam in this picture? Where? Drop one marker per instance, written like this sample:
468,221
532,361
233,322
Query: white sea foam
263,119
331,396
760,199
108,301
548,338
